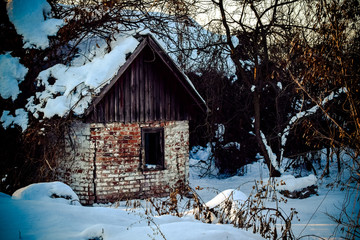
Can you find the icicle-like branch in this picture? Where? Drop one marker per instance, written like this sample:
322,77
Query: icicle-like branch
306,113
271,154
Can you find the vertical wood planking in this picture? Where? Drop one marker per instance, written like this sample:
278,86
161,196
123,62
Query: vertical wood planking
147,95
116,103
151,92
161,95
106,107
121,100
94,114
146,91
133,92
101,112
155,78
178,100
172,99
111,106
138,82
142,88
127,96
137,89
168,97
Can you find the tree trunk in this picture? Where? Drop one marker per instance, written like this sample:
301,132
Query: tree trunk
327,166
272,170
338,151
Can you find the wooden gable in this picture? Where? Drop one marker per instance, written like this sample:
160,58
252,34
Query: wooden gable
148,87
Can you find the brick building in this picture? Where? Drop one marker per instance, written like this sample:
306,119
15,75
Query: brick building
133,140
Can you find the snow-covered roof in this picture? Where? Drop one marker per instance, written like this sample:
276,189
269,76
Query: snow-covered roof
66,88
76,86
149,39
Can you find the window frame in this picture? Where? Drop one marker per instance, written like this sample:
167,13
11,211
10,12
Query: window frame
160,163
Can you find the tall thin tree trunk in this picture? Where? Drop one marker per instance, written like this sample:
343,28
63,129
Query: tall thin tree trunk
272,170
338,159
327,166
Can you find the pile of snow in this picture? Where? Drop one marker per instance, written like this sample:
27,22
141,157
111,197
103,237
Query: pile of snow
291,184
31,20
12,74
291,187
235,196
49,191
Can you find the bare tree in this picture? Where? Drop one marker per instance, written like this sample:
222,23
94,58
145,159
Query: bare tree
328,63
256,35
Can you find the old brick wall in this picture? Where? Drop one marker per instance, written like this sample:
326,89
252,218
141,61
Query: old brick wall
108,162
77,169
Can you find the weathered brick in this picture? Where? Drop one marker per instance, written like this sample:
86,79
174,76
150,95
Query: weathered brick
115,149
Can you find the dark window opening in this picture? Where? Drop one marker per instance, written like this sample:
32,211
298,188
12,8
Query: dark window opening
153,141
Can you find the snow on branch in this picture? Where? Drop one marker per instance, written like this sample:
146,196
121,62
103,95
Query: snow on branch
306,113
270,153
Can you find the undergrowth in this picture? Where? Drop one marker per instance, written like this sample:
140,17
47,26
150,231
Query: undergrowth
251,214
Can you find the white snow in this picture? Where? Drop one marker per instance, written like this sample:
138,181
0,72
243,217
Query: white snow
12,74
32,214
29,20
271,154
230,194
233,144
306,113
253,87
47,192
219,132
201,153
75,85
21,119
290,183
312,212
35,215
202,162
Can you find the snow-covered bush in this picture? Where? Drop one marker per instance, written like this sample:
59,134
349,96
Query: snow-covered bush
202,161
230,206
51,191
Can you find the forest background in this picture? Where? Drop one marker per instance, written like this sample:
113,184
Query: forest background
280,78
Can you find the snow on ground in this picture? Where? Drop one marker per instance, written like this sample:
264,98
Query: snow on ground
31,214
293,184
45,210
52,191
231,194
312,212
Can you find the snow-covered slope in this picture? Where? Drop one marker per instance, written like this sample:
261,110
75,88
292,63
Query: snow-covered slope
313,212
32,214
